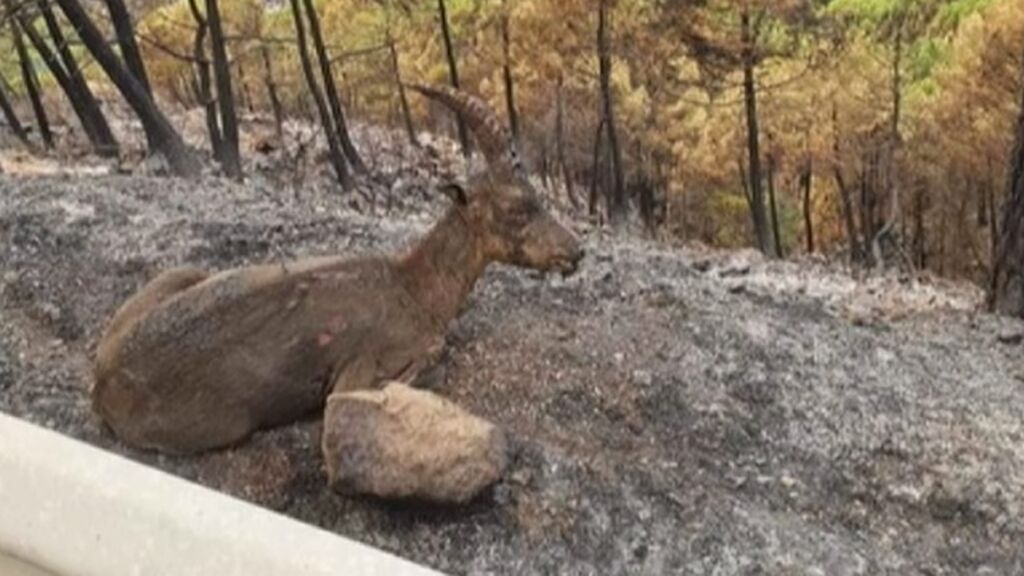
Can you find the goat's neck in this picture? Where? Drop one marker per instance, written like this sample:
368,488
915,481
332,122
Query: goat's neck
442,268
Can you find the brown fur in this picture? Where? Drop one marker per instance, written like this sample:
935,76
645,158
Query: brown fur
197,361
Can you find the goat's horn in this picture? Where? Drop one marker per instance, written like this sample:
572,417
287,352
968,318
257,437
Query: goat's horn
494,139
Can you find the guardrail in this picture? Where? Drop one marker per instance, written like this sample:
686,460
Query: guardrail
71,509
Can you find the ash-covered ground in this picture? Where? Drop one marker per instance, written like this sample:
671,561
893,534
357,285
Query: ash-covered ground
671,410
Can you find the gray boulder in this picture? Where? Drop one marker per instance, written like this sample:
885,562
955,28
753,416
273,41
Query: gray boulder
403,443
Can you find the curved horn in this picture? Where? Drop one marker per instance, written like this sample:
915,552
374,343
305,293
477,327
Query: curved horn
494,139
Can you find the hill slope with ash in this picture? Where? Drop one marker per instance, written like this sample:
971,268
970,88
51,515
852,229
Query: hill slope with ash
671,411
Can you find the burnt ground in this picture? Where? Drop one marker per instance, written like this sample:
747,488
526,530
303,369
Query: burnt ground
670,410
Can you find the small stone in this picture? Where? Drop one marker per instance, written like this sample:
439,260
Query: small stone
403,443
1011,336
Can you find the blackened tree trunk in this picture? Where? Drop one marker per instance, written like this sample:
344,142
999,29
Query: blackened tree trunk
757,213
12,119
595,168
124,29
229,156
271,85
993,223
244,95
1007,291
806,183
92,115
28,76
453,73
506,69
331,90
776,232
335,153
78,100
203,86
617,196
856,255
165,138
560,143
396,75
920,239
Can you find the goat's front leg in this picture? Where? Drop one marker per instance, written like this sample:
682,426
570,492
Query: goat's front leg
426,370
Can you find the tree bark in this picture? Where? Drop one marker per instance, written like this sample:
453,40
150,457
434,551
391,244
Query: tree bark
776,233
10,116
595,170
757,212
1007,290
396,74
166,138
244,95
28,76
203,86
331,90
920,240
105,143
124,29
336,155
560,143
78,100
844,192
506,68
806,182
453,73
271,85
617,197
229,156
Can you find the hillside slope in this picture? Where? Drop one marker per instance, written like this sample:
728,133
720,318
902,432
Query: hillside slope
671,411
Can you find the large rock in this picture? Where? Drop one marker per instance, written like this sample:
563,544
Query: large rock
400,442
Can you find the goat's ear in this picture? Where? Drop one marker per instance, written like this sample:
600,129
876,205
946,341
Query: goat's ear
456,192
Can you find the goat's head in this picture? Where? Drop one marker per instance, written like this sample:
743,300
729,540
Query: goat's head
500,205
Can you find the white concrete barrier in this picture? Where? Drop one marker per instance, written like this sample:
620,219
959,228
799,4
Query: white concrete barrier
75,510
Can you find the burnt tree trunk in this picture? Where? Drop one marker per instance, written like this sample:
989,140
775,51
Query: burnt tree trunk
165,138
12,119
75,98
407,115
271,86
993,223
560,143
846,203
229,156
757,212
806,183
595,170
124,29
453,72
399,86
203,87
506,69
920,239
331,90
776,232
337,157
617,196
28,76
245,99
1007,290
104,141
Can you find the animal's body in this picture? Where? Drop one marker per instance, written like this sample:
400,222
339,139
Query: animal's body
197,361
257,347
